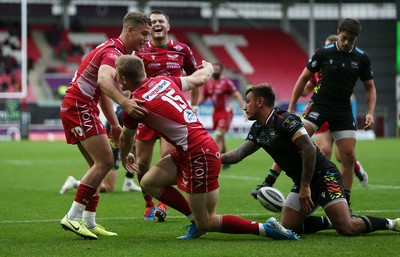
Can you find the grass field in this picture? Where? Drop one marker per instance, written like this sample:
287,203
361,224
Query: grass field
31,207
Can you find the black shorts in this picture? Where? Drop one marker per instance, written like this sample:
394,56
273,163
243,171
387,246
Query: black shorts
340,117
325,187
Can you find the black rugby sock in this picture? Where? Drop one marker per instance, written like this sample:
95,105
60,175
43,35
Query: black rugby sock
374,223
271,177
314,224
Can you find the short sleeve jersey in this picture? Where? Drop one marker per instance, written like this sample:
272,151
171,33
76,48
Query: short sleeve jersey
275,138
169,114
340,71
84,83
220,92
170,60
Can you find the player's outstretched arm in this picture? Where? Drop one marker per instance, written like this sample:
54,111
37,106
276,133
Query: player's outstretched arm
235,156
199,77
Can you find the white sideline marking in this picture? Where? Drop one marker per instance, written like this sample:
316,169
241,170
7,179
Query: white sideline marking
264,215
370,186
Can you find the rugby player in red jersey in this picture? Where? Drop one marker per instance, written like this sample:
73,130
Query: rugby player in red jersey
195,164
162,56
95,83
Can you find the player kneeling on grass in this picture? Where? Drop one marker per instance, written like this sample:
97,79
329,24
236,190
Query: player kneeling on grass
317,181
195,164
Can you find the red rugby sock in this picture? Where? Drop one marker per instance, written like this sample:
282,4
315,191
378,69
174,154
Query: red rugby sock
173,198
84,194
92,205
236,225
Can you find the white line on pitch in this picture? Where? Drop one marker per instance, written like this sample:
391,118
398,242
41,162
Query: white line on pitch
266,214
372,186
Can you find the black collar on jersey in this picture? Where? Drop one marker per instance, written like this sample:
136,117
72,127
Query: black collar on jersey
269,116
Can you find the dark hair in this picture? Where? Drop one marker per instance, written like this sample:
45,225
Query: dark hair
265,91
160,12
351,26
220,65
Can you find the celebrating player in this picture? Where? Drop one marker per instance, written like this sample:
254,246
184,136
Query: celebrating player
94,83
162,57
195,164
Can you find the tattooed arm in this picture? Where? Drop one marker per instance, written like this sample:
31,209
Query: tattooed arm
235,156
308,154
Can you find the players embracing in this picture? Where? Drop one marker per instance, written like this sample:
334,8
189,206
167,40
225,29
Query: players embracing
161,56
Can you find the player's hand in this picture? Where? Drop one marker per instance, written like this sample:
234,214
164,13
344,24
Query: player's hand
205,64
133,108
115,133
195,109
305,199
369,121
129,163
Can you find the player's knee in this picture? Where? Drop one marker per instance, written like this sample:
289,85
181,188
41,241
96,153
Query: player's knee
143,167
107,163
145,184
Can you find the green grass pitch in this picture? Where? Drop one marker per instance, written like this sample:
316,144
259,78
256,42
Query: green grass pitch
31,174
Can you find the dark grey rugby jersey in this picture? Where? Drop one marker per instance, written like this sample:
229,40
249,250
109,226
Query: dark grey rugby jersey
275,138
340,71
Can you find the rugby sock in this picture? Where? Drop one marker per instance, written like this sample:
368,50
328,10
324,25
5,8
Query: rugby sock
173,198
236,225
76,210
83,196
374,223
129,175
271,177
148,199
90,218
391,224
92,205
314,224
89,214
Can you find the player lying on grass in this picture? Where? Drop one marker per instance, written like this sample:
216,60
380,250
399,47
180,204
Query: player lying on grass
317,181
195,164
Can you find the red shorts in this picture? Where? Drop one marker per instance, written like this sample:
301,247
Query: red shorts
222,120
145,133
198,173
324,127
80,120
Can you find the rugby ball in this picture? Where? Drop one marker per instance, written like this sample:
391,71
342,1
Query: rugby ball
271,198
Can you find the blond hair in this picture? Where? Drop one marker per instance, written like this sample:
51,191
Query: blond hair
131,67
